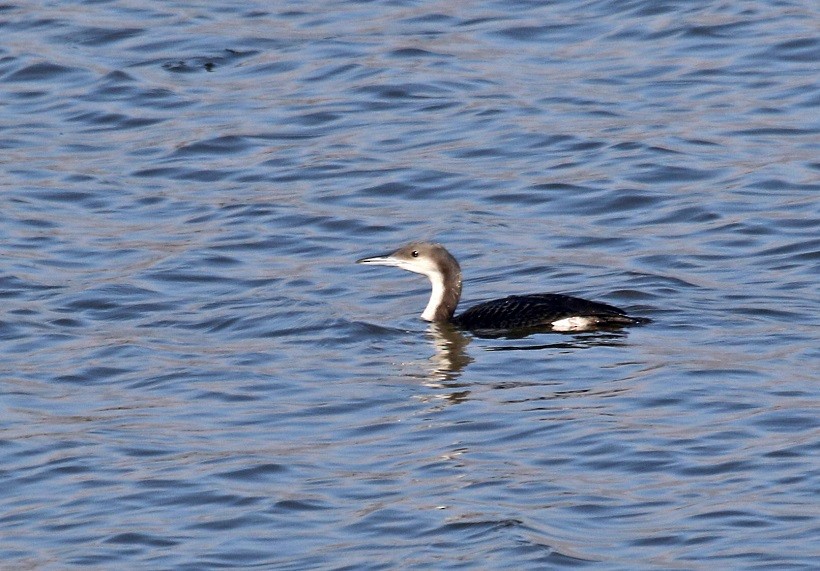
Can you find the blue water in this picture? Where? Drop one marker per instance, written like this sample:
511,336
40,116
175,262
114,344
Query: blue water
195,374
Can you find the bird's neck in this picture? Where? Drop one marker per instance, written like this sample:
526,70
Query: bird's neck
445,295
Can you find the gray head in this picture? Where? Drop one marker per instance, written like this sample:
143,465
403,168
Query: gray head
435,262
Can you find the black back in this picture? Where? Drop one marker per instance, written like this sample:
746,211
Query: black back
537,310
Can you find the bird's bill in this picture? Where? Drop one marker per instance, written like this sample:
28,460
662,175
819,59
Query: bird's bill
381,260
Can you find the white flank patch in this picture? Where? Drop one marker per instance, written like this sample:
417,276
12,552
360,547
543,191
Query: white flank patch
573,323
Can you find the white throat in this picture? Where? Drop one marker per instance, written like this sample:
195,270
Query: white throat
436,297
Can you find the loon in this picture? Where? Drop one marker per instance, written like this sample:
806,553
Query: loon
544,311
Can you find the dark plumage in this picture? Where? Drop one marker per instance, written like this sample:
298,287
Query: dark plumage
538,310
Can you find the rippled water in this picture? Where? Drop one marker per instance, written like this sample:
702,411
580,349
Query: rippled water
196,375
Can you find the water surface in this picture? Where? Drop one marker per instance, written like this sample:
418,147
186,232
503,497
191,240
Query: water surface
196,375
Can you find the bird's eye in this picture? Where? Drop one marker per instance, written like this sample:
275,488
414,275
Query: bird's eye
415,253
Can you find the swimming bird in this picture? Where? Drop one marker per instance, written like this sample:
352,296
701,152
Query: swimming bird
544,311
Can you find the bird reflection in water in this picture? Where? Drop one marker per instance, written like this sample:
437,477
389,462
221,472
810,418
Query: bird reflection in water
451,356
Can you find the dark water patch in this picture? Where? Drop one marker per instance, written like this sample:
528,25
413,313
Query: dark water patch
140,539
118,121
318,118
67,322
403,91
532,33
803,50
724,30
299,506
657,540
222,260
228,144
93,375
11,286
98,36
279,67
262,472
197,64
117,77
41,72
776,184
229,524
802,250
68,196
203,175
286,136
332,72
654,173
390,188
32,23
532,197
788,421
158,172
686,214
624,200
415,53
560,187
702,143
774,131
